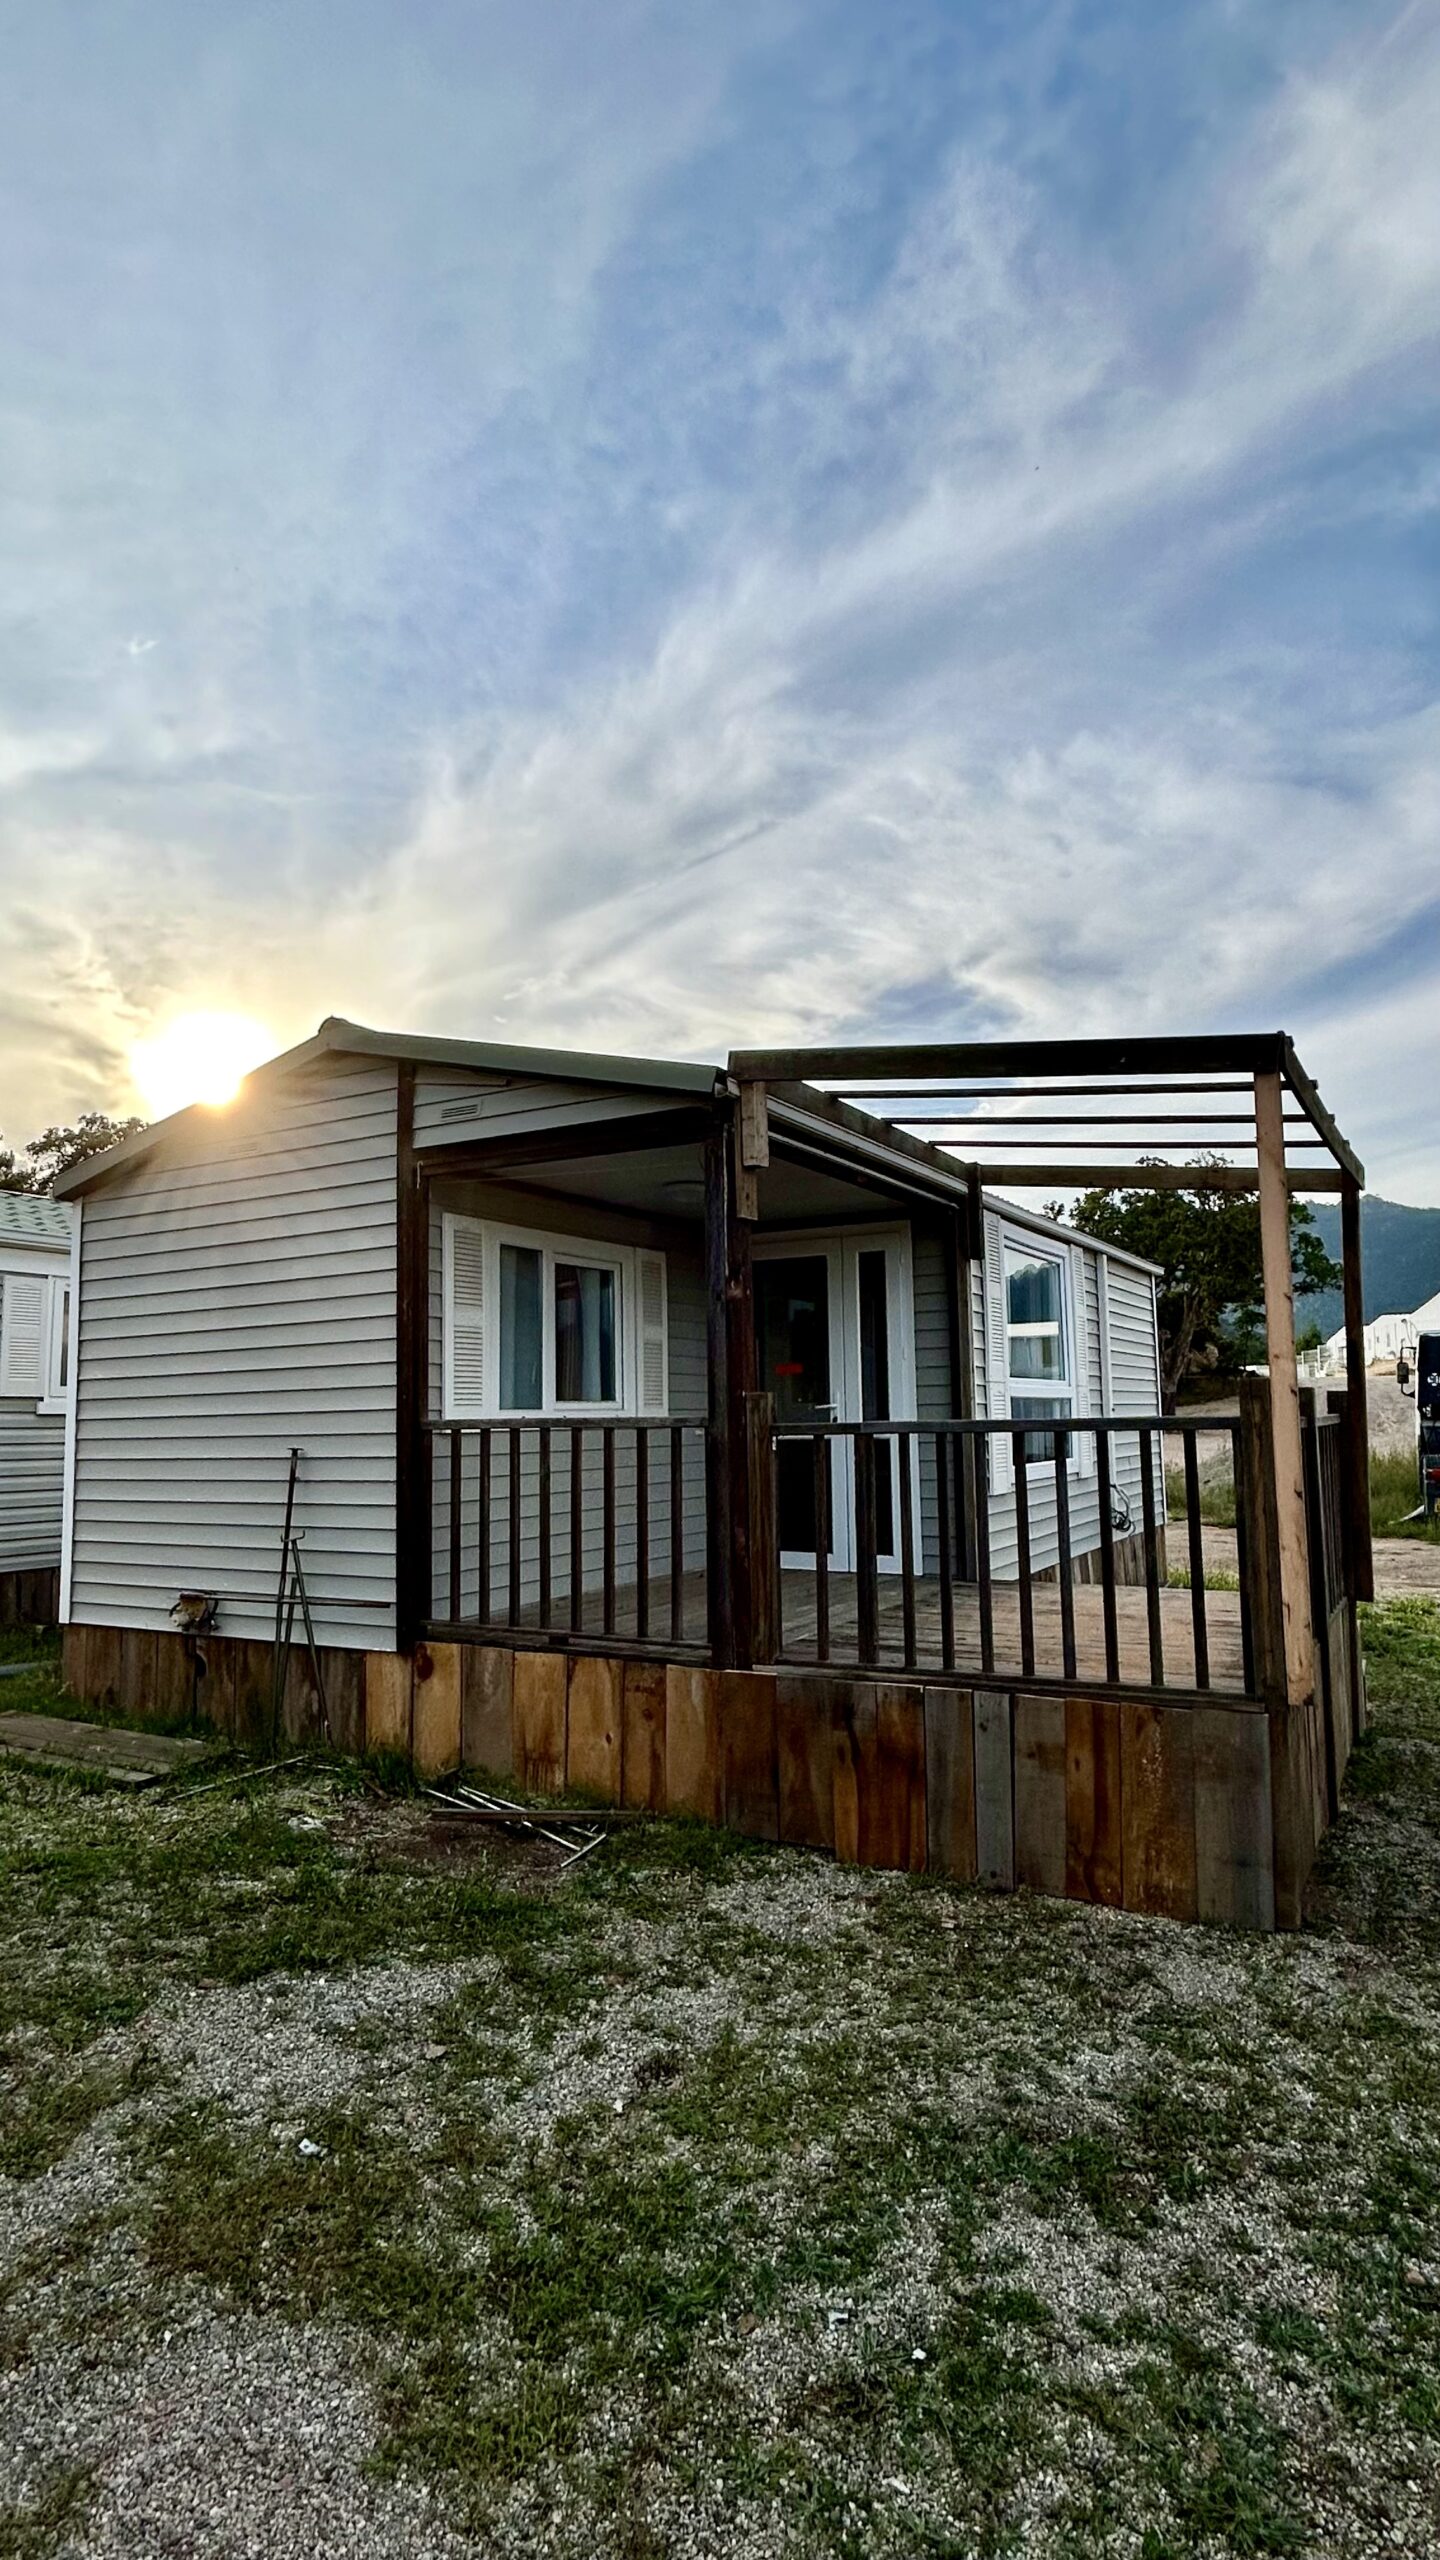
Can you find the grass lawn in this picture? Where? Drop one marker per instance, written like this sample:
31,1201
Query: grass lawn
361,2198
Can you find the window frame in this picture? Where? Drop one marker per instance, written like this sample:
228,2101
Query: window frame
590,1252
1062,1391
56,1342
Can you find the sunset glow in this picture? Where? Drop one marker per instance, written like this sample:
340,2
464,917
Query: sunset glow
199,1057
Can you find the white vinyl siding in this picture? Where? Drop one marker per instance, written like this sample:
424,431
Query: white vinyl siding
936,1399
238,1297
456,1106
32,1477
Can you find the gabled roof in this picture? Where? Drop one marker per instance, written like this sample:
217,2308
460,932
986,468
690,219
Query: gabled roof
31,1218
339,1038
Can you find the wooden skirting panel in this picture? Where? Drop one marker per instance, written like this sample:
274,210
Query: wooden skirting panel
1148,1807
223,1680
30,1599
1142,1805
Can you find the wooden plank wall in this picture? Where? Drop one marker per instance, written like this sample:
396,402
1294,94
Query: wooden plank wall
31,1598
1148,1808
1143,1806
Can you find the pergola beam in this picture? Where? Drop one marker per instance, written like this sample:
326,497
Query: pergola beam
1221,1053
1307,1094
1156,1177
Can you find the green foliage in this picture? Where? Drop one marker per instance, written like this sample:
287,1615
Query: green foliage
1207,1244
1394,1494
56,1149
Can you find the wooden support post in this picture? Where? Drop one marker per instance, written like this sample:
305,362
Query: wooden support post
413,1559
754,1125
764,1548
1284,1390
730,1329
719,1557
1356,1426
958,1243
1260,1566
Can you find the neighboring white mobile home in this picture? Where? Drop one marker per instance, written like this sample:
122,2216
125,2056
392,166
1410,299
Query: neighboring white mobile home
34,1386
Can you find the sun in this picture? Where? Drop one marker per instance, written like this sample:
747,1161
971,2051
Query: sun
199,1057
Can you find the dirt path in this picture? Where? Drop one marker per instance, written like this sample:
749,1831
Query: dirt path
1402,1565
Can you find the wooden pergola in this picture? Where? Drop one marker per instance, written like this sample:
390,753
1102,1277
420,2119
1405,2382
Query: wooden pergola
1130,1115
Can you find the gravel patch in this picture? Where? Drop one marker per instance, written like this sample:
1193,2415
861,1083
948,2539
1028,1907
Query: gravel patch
226,2435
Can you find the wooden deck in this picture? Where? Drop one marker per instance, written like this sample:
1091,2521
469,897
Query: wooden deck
1177,1669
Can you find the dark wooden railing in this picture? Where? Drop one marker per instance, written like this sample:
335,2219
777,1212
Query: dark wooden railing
571,1532
1088,1565
1005,1551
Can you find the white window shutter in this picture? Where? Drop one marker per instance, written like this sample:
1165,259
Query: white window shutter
652,1333
466,1350
1083,1446
997,1357
22,1333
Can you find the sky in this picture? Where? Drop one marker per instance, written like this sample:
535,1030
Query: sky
671,528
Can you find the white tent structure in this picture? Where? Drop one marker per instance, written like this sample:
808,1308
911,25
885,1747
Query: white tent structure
1387,1336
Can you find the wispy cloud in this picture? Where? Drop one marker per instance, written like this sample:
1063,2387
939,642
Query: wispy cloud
787,530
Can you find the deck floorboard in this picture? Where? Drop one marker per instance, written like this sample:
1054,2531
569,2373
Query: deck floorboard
798,1644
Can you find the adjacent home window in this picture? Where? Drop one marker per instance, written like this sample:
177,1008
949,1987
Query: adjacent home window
1037,1343
35,1338
541,1324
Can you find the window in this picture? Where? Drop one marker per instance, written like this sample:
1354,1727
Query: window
55,1386
538,1324
35,1337
1037,1344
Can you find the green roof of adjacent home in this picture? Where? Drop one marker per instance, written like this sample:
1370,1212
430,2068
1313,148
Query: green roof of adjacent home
31,1217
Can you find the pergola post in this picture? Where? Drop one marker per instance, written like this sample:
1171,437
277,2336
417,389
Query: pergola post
1357,1426
730,1344
1293,1544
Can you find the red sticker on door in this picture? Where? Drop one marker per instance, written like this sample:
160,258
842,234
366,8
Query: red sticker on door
789,1368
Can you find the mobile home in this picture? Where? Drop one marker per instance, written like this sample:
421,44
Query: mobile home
635,1394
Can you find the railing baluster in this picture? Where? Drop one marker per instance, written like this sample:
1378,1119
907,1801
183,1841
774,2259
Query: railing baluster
985,1594
867,1593
577,1527
515,1453
947,1452
1243,1564
820,1451
482,1557
901,1447
1107,1555
542,1490
607,1453
1195,1542
1146,1438
1022,1553
457,1439
1064,1561
642,1533
677,1532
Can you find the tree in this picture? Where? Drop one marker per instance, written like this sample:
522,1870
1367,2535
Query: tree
55,1150
1207,1243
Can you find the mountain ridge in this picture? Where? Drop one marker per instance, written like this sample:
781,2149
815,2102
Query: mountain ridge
1399,1254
